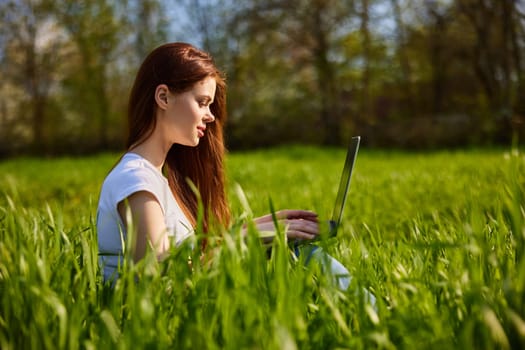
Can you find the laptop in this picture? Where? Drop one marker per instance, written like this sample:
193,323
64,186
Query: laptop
340,200
344,186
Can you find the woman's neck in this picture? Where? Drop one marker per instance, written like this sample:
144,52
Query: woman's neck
153,152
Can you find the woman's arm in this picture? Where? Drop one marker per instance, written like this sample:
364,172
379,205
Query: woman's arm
149,223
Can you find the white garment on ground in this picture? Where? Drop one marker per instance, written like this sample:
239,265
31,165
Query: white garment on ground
132,174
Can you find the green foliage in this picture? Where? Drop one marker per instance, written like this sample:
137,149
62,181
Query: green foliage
438,237
403,74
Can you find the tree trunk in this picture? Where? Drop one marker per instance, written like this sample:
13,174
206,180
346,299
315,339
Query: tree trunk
406,74
439,28
330,112
366,110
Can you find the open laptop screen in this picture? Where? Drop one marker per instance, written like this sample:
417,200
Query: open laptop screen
344,184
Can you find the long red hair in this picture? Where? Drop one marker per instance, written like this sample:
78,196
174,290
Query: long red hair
180,66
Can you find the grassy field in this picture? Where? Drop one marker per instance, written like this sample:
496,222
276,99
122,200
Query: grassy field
439,238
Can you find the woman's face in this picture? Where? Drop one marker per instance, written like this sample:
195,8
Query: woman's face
184,121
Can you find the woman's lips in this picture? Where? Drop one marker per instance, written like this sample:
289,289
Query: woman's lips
200,131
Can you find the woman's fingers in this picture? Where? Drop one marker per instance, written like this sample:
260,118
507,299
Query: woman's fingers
297,214
299,235
294,228
301,229
300,225
288,214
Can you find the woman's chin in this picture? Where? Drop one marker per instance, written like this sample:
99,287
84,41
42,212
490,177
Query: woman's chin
189,143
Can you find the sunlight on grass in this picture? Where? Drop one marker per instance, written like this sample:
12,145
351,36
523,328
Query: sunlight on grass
439,238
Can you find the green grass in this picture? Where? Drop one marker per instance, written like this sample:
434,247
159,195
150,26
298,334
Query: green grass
438,237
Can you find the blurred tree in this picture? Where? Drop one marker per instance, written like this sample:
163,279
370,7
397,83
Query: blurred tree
365,98
405,76
496,55
439,18
399,72
95,29
30,45
204,23
300,37
147,22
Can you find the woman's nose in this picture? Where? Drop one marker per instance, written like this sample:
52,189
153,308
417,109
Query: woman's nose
209,117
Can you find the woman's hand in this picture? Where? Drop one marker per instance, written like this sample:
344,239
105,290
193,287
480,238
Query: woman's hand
299,224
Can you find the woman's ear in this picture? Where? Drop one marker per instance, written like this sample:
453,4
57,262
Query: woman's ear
161,96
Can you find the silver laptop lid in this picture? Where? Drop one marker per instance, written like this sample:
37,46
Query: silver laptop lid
344,184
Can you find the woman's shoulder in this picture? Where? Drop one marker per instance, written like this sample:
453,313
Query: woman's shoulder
132,168
132,174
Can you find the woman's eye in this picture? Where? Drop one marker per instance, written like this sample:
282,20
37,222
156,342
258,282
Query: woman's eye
204,103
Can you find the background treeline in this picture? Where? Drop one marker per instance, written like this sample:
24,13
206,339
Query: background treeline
403,73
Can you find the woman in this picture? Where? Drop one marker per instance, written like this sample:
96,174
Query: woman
176,112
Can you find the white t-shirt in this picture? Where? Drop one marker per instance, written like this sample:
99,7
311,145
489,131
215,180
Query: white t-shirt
132,174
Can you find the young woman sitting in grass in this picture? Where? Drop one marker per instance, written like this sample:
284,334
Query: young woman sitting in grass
176,113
